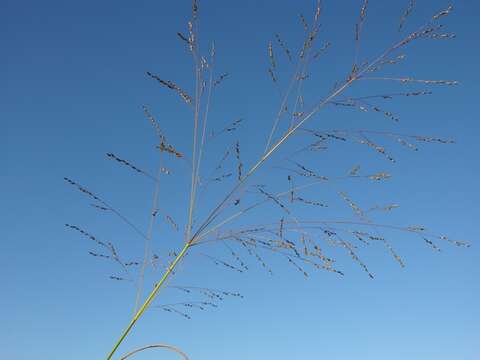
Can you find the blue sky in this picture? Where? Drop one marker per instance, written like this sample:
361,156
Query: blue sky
75,86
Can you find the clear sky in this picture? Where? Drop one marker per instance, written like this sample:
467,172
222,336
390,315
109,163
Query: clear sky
74,85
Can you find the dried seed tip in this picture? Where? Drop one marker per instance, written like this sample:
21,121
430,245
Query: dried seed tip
172,86
443,13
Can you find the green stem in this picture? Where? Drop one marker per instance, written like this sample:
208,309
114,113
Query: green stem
150,298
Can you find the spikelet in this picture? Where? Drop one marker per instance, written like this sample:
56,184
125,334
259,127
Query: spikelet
356,258
431,244
354,206
304,23
173,310
82,189
292,191
308,42
271,56
164,147
310,202
154,122
284,47
272,75
443,13
171,222
183,38
236,257
454,242
222,160
223,263
384,208
360,236
222,177
433,139
86,234
380,176
172,86
194,9
308,173
239,162
390,248
94,254
128,164
274,199
297,266
220,79
406,14
232,126
280,228
103,208
354,170
447,36
255,254
318,10
407,144
322,50
132,263
117,278
377,148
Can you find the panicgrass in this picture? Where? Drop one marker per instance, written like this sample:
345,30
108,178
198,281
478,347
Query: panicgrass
302,243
